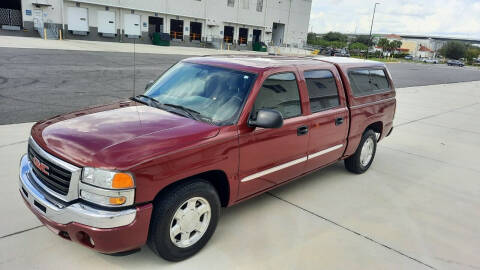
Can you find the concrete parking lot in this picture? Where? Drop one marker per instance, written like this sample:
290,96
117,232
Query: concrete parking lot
418,207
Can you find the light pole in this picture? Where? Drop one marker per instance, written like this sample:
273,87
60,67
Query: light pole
371,27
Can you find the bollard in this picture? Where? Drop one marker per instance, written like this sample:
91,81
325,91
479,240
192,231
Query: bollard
60,34
45,33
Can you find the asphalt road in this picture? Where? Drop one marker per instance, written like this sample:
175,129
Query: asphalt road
36,84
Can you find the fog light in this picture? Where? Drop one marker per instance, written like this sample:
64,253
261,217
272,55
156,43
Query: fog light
101,199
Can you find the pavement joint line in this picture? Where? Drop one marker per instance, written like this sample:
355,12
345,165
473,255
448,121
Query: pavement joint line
14,143
352,231
437,114
22,231
452,128
429,158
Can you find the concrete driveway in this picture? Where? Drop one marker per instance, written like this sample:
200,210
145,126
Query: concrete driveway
418,207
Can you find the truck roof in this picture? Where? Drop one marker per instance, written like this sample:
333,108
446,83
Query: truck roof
257,63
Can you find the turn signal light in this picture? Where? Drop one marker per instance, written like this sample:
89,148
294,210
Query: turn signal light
122,180
117,200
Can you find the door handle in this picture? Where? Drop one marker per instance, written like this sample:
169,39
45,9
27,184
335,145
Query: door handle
338,121
302,130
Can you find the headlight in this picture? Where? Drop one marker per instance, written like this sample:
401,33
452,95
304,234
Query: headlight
107,188
107,179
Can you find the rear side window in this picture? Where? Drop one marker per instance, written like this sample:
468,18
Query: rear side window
280,92
366,82
322,90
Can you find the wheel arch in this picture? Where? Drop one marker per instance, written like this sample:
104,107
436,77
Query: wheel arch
217,178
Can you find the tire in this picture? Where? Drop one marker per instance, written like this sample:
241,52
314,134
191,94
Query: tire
357,163
176,203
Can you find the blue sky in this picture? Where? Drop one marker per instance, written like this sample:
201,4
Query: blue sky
450,18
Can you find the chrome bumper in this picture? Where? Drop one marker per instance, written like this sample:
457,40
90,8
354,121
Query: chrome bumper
64,214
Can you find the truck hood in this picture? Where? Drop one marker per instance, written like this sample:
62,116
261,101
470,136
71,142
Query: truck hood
119,135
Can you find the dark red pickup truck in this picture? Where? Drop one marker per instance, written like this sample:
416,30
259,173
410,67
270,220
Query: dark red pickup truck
208,133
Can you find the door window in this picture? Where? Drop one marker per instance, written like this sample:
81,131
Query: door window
366,82
322,90
279,92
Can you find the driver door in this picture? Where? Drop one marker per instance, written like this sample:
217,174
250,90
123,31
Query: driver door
271,156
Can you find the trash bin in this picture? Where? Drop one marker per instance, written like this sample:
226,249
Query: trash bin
259,47
161,39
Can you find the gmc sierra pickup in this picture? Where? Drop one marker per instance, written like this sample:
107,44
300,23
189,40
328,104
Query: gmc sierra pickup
208,133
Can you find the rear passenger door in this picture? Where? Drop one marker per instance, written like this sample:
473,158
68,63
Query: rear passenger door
329,117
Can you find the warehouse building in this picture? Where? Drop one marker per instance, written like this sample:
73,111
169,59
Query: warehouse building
213,23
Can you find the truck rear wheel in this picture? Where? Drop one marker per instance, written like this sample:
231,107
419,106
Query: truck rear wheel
363,157
184,220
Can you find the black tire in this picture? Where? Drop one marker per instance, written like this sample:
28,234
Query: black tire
353,163
164,210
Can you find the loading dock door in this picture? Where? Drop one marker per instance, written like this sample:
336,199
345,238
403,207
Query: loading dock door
77,19
257,35
242,36
155,25
195,31
277,33
228,34
106,22
176,29
132,25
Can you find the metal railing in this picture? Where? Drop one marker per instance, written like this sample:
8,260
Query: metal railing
176,35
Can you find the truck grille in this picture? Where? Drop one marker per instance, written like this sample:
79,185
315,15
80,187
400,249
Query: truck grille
57,179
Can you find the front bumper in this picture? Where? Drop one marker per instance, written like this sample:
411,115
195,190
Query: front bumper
102,230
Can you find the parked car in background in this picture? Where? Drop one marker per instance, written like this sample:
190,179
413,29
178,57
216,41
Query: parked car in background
430,60
409,57
209,133
457,63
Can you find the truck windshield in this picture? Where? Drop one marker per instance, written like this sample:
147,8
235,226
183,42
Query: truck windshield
216,94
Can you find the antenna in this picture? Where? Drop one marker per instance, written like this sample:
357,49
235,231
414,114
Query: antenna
133,67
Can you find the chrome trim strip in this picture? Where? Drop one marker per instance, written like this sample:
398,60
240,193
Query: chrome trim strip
372,103
76,212
323,152
291,163
274,169
74,180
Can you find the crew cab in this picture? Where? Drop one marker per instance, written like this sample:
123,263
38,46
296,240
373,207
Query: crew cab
210,132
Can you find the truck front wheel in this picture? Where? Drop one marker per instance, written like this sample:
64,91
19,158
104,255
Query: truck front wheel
363,157
183,220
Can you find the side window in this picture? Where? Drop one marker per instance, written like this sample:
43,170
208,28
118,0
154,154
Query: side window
322,90
279,92
368,81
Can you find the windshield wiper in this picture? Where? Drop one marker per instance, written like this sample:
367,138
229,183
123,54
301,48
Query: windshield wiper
155,102
189,111
149,97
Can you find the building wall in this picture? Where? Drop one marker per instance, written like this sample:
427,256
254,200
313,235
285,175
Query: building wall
295,14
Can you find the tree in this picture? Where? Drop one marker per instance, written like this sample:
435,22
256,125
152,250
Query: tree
472,52
358,46
364,39
453,50
384,44
335,36
395,45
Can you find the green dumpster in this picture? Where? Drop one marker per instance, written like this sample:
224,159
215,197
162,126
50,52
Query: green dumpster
259,47
161,39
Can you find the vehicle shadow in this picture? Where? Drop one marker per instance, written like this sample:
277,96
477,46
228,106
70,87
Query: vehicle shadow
234,223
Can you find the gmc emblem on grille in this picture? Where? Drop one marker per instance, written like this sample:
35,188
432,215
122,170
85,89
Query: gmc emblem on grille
42,167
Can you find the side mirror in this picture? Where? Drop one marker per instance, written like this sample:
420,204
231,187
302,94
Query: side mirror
267,119
150,83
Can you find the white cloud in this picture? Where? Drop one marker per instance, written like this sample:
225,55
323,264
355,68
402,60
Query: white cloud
452,18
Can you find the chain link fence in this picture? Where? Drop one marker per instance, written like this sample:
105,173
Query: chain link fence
11,17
